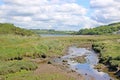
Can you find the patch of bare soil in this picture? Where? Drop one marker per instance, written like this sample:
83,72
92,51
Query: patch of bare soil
50,69
45,68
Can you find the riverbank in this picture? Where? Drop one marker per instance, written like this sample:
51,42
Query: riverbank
108,58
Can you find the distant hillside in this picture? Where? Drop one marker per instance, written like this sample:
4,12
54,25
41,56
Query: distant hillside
51,31
7,28
106,29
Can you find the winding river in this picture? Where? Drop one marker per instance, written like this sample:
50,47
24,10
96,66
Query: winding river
87,68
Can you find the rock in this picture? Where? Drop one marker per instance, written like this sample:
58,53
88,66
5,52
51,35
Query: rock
64,61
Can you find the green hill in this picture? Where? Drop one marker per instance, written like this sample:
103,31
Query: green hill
105,29
7,28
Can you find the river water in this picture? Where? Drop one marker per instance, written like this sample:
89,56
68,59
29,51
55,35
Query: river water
54,35
87,68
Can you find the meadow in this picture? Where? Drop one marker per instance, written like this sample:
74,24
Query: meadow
16,52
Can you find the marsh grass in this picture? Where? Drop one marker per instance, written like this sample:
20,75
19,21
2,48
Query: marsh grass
16,66
109,51
14,48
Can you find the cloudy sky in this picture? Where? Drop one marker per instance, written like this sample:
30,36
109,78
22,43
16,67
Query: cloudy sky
59,14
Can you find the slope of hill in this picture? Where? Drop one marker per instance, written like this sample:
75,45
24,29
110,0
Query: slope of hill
7,28
106,29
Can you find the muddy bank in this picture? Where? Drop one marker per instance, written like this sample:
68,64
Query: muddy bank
45,68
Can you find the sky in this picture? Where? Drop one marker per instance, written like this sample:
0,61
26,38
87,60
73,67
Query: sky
59,14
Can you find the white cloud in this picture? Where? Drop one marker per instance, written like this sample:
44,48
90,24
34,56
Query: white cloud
56,14
24,19
102,3
106,11
59,14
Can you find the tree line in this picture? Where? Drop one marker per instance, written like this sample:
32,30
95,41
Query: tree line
105,29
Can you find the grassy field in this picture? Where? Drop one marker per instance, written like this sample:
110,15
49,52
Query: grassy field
15,49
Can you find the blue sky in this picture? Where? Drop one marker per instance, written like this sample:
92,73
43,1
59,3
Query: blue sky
85,3
59,14
1,2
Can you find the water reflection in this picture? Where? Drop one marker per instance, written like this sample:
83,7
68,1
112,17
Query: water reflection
87,68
